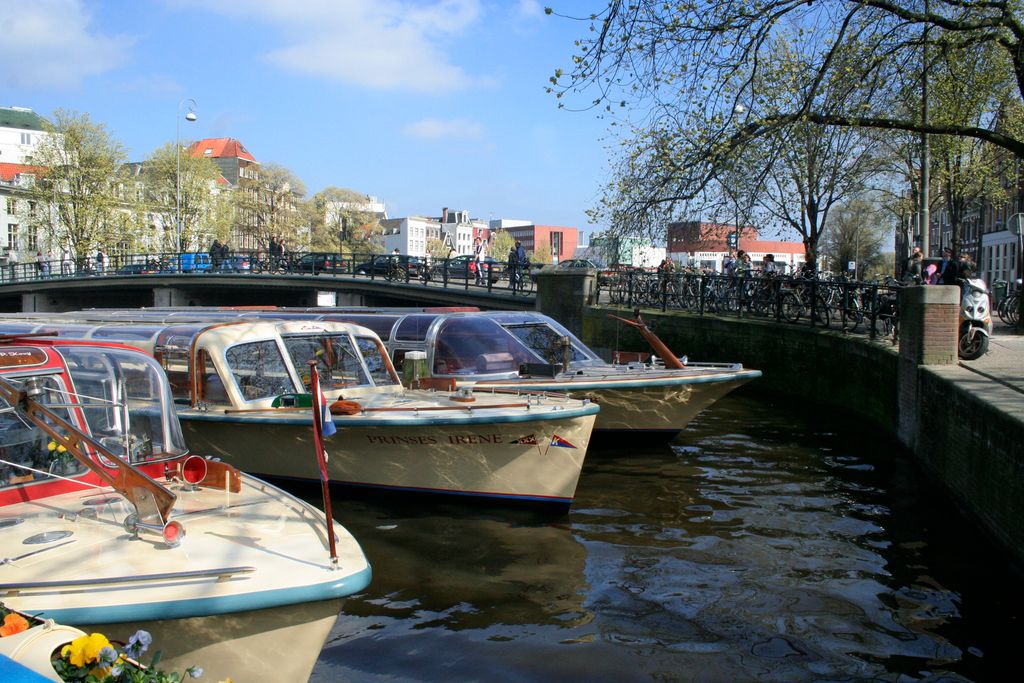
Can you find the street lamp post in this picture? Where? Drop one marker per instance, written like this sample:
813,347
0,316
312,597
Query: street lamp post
189,116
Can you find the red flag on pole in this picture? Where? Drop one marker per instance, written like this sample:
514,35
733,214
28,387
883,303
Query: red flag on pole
321,456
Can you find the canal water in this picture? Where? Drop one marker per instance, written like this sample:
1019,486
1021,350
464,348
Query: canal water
764,545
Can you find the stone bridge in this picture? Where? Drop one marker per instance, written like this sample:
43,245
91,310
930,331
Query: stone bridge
247,289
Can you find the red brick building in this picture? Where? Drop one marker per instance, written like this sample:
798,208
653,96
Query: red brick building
562,240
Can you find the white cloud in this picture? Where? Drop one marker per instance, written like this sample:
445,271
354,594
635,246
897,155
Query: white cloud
529,9
49,44
452,129
379,44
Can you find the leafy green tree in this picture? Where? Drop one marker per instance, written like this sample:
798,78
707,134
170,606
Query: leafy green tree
541,254
437,249
269,206
206,213
79,185
968,172
791,176
340,222
656,59
858,233
501,242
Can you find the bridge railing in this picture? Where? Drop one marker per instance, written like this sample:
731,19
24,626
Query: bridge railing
851,306
458,272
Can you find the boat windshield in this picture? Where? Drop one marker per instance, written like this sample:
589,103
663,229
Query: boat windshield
25,450
338,361
475,345
259,370
377,362
126,401
543,336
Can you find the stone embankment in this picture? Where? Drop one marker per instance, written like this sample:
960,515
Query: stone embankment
963,421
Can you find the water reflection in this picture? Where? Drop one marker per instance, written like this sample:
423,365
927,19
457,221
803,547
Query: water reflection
762,546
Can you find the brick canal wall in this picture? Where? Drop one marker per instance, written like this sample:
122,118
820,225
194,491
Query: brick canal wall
941,413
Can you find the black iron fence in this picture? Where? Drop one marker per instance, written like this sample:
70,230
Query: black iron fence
867,307
457,272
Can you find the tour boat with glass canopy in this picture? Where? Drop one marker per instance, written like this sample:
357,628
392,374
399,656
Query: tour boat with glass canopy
109,523
526,352
242,391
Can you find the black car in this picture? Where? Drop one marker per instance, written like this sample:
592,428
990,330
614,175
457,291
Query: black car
389,265
317,262
460,268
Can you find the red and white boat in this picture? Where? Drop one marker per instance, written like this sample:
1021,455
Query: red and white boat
109,524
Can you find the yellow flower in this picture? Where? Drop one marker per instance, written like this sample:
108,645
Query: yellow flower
85,649
52,446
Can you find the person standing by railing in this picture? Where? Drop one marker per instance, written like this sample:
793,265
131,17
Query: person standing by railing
478,259
65,262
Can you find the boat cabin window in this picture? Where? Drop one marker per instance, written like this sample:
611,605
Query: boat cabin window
212,389
414,327
126,402
544,341
543,335
126,333
337,360
259,370
379,324
172,352
8,328
27,453
376,361
476,345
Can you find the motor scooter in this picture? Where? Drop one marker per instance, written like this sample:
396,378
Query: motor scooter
975,319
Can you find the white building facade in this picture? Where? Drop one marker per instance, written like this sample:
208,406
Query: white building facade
21,129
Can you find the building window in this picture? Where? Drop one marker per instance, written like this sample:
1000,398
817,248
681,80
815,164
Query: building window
26,138
12,236
12,206
556,244
33,242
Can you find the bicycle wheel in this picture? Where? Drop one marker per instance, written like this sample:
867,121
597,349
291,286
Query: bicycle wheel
822,316
792,307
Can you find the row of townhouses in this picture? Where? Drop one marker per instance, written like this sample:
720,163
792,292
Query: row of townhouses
21,130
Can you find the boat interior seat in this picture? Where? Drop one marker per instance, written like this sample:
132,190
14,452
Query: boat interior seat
496,362
214,390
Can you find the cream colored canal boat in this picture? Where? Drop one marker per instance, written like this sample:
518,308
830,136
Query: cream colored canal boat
240,388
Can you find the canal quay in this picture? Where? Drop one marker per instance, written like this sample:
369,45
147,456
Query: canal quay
769,542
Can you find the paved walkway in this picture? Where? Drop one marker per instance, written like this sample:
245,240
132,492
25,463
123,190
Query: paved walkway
1004,362
998,376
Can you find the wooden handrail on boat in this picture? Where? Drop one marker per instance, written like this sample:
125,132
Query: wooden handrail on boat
148,496
460,407
665,353
220,573
388,409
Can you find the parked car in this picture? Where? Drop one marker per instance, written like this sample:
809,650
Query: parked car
192,263
236,264
458,268
383,265
320,262
138,269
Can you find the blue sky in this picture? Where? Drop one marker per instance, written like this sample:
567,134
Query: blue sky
422,103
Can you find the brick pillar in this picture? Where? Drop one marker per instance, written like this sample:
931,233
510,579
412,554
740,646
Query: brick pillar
929,318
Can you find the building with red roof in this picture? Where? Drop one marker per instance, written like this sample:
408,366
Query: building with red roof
706,245
230,155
